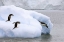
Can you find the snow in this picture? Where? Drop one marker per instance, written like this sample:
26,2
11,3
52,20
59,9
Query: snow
29,26
55,2
42,18
35,4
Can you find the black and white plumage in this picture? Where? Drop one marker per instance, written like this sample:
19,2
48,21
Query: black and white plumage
15,24
9,17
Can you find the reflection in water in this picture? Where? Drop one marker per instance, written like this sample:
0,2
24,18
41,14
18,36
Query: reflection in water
46,37
43,38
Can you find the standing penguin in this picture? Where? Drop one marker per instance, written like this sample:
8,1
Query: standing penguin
16,23
42,23
9,17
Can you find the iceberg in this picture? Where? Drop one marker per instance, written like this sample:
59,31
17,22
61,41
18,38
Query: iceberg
29,26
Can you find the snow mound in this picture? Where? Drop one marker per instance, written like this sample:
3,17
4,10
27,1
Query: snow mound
29,26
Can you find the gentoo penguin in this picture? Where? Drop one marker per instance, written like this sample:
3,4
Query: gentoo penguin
16,23
42,23
9,17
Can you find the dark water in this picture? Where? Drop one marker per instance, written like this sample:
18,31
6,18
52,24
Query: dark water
57,32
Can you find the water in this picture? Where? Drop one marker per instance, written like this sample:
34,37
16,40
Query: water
45,38
57,32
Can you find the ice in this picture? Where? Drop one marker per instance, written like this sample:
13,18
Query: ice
35,4
42,18
23,30
55,2
29,26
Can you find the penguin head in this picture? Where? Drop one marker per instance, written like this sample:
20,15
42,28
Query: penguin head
11,15
18,22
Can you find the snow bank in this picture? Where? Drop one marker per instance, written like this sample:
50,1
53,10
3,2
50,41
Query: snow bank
42,18
29,26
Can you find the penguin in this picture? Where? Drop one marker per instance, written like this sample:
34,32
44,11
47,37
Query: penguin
16,23
9,17
42,23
